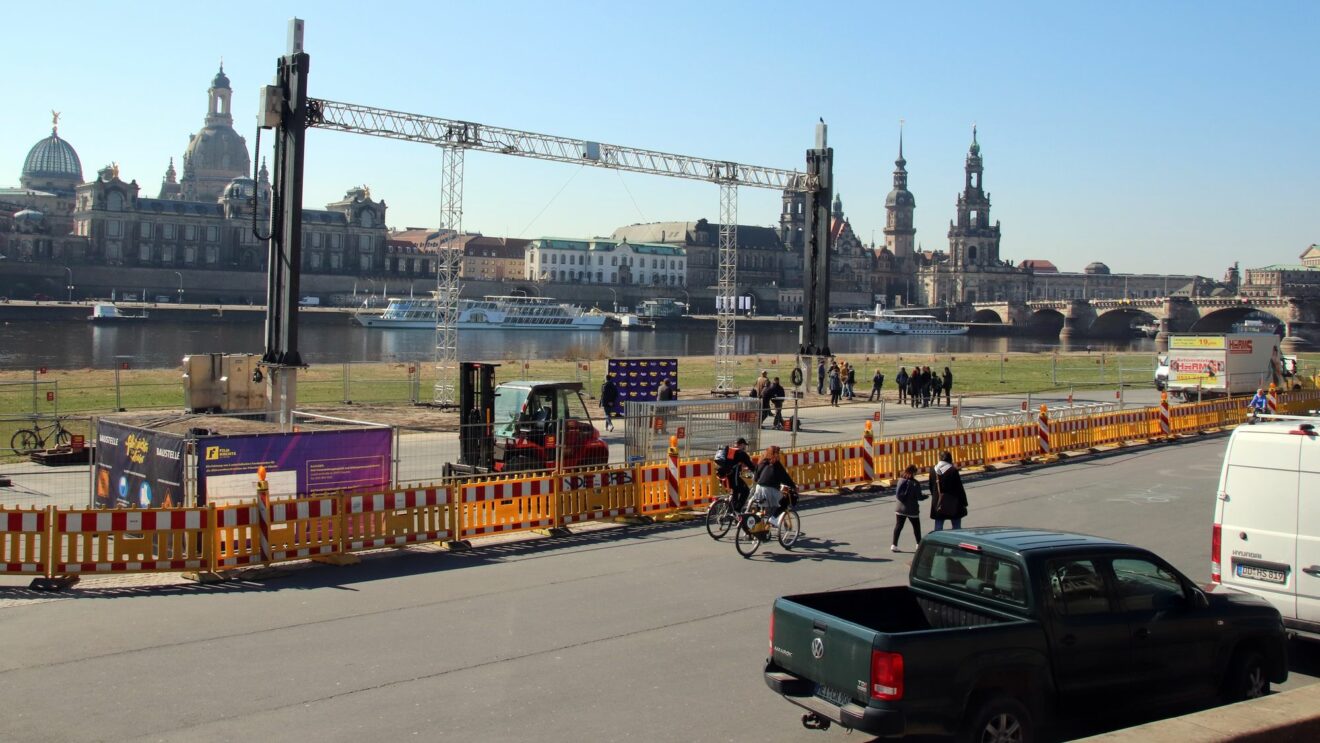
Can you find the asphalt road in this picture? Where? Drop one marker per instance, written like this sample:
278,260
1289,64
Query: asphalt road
640,633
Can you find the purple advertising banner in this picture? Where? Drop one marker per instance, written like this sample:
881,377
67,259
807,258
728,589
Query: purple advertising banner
300,463
638,380
137,468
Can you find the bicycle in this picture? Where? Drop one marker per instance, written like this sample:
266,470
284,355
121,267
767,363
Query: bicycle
28,440
720,517
754,527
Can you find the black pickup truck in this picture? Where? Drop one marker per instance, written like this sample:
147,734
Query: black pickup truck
1003,630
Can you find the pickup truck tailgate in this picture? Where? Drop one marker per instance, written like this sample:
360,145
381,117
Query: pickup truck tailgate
834,652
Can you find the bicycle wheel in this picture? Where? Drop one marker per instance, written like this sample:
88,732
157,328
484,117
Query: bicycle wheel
789,528
25,441
719,519
63,437
743,539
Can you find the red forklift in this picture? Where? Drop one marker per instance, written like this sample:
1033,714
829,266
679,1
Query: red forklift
522,426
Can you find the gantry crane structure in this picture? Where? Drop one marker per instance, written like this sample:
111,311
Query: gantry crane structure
456,137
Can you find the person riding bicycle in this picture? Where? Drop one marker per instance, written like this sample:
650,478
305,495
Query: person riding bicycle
774,486
728,469
1258,404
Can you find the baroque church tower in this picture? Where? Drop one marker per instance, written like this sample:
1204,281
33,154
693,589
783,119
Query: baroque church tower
217,154
899,206
973,241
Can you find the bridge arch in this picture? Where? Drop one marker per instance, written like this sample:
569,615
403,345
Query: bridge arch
1223,320
1117,323
1046,322
987,316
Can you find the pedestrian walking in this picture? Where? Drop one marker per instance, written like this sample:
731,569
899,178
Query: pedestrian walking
935,387
820,376
776,391
907,506
948,497
762,382
926,378
915,385
851,385
877,386
609,398
836,387
666,391
902,381
948,386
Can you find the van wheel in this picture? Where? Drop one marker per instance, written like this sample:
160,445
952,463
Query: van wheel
1246,677
1000,719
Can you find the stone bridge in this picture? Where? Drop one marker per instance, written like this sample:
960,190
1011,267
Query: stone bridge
1113,318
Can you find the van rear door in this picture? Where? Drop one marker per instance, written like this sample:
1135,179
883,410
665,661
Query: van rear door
1258,514
1308,535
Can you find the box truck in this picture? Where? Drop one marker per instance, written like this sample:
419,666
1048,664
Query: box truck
1219,364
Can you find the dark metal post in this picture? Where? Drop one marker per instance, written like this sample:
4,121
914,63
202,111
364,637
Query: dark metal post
814,339
285,256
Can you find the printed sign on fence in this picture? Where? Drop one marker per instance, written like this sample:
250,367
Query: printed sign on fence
137,468
298,463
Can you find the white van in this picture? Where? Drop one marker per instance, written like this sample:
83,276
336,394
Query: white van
1266,537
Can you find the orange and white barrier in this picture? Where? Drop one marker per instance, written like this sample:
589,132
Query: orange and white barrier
1043,430
1272,399
129,541
696,485
593,496
517,504
1166,425
23,541
304,527
672,473
397,518
868,454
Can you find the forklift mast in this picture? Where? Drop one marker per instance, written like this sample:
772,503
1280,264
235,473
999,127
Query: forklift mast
476,405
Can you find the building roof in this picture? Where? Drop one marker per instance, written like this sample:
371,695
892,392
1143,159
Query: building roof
1285,267
52,157
1311,253
494,247
608,245
1039,265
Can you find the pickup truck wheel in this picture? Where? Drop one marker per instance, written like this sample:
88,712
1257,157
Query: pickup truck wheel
1246,677
1000,719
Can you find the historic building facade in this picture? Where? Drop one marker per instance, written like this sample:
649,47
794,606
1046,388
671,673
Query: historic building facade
606,261
761,255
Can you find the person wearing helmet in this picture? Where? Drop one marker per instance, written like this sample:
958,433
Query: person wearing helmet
728,468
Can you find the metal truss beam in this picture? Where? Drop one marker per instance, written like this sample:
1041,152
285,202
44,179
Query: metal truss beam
449,254
380,122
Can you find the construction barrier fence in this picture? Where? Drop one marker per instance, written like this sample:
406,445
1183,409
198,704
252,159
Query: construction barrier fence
54,542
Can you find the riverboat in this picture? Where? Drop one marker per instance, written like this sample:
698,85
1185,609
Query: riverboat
891,323
858,324
487,313
104,312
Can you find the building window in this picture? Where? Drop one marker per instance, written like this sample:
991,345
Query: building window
212,255
113,228
213,234
190,232
169,231
190,255
167,254
144,229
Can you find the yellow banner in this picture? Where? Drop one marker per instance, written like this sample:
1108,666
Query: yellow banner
1196,341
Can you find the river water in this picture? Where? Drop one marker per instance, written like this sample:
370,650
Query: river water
162,344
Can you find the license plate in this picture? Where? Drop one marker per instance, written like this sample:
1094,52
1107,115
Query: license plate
832,695
1262,574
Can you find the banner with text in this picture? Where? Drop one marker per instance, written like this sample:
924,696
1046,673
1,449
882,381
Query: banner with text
298,463
137,468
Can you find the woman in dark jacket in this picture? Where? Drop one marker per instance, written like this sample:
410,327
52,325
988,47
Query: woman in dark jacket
950,499
907,507
771,480
948,386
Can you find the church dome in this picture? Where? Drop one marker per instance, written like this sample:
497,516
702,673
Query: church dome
218,148
221,79
52,157
1096,268
900,197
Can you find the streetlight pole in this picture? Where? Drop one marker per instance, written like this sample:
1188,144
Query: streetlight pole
615,295
69,286
687,302
176,273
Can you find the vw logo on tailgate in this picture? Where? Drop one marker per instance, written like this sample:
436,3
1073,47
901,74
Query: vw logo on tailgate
817,648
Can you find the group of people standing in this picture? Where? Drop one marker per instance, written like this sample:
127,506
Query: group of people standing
771,394
841,379
922,385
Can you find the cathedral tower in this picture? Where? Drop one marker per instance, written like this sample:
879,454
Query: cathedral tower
899,232
973,241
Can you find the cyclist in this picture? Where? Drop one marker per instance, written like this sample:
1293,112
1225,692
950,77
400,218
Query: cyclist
774,486
1258,404
729,469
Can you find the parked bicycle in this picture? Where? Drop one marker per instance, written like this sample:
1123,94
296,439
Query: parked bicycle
28,440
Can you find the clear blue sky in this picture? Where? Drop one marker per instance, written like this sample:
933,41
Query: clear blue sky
1156,137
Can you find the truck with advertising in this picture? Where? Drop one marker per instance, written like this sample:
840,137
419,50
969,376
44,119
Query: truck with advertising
1004,633
1200,365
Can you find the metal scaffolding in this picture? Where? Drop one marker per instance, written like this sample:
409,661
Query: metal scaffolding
725,308
450,263
456,137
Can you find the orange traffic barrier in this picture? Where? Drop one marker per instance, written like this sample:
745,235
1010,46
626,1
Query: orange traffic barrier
129,541
596,495
24,547
398,517
511,504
